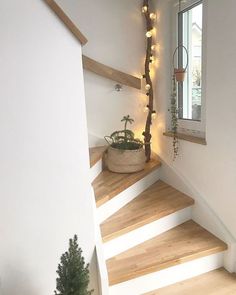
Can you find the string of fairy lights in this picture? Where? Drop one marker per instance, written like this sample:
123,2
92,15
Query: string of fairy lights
150,34
150,59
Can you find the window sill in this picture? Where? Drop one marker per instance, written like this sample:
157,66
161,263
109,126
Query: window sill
191,138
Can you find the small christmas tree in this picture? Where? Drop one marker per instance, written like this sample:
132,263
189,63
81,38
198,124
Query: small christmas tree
73,273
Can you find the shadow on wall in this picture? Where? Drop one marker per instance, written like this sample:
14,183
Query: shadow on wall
17,282
95,140
93,265
202,213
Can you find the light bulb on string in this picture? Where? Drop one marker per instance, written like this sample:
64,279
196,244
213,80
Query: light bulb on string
149,33
144,9
152,59
147,87
153,16
154,115
142,76
146,109
153,48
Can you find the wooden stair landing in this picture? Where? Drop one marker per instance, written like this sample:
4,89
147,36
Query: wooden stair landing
185,242
218,282
96,154
107,185
158,201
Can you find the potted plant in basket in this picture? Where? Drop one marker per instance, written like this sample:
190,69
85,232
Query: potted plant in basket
125,153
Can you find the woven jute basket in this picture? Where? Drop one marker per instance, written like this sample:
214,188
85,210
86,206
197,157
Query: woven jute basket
125,161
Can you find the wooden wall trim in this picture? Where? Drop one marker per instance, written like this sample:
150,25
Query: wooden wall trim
67,21
110,73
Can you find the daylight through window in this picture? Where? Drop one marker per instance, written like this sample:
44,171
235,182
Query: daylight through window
190,35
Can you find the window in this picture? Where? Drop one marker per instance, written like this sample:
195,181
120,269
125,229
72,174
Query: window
190,35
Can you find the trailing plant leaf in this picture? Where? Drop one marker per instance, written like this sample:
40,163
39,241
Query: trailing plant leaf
174,117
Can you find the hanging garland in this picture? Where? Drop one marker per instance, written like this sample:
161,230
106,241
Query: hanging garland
151,113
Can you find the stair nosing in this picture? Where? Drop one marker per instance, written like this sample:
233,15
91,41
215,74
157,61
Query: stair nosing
166,265
202,283
135,226
143,222
94,161
184,258
113,193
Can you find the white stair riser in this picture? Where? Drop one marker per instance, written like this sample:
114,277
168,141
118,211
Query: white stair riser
146,232
95,170
119,201
102,275
168,276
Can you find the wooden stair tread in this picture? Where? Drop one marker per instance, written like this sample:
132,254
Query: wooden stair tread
107,185
218,282
96,154
185,242
157,201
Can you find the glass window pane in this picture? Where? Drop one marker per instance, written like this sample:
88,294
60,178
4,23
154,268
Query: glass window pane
191,37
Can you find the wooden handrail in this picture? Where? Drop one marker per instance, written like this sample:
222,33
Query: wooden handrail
88,63
67,21
110,73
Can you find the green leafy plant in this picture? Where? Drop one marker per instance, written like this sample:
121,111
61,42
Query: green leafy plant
124,139
174,117
73,274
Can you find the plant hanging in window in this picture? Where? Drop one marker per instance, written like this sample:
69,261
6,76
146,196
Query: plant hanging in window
178,76
174,117
179,71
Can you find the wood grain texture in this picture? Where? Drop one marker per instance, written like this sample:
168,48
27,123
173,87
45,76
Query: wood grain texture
110,73
218,282
184,243
108,184
67,21
158,201
96,154
187,137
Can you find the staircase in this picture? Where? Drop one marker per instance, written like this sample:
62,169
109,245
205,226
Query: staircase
150,241
218,282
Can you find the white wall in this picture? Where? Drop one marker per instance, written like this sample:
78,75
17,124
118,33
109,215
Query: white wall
115,31
44,173
209,170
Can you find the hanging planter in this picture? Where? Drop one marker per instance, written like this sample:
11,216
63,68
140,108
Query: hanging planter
180,72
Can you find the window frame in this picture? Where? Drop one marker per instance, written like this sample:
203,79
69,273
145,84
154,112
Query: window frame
190,126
